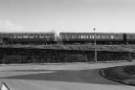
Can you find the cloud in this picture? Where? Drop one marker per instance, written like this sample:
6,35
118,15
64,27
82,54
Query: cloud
9,26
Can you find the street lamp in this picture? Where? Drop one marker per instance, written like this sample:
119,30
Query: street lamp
130,56
95,53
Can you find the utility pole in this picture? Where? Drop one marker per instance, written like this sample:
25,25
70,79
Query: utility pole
95,53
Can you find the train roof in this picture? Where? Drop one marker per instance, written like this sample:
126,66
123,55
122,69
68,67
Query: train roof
24,32
87,33
102,32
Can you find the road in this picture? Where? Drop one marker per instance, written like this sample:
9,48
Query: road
70,76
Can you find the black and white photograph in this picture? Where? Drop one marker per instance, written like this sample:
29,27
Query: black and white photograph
67,44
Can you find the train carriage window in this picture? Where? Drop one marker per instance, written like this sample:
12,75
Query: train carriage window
112,37
74,36
19,36
14,36
46,36
103,37
97,36
35,35
41,36
31,36
78,36
65,36
92,36
25,36
83,36
71,36
107,36
87,36
1,41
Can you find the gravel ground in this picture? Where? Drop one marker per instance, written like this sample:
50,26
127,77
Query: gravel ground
62,76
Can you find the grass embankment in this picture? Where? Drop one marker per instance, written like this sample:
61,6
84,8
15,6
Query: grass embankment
64,53
85,47
122,74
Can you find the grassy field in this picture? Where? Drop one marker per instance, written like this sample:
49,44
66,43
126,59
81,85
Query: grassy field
122,74
62,76
68,76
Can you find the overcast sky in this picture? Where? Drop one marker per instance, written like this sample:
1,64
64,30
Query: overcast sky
67,15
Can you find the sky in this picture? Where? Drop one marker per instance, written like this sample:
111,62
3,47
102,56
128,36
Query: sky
67,15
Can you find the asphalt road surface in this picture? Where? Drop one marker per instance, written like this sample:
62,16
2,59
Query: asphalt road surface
70,76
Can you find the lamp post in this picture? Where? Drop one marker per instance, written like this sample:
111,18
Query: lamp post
95,51
130,56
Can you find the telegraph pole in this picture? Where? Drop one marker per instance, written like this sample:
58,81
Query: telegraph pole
95,51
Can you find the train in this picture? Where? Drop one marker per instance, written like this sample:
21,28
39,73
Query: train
98,38
67,38
83,38
27,38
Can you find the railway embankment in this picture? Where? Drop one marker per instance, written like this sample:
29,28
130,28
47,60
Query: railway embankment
64,53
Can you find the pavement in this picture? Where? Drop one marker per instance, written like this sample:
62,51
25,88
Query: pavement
62,76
